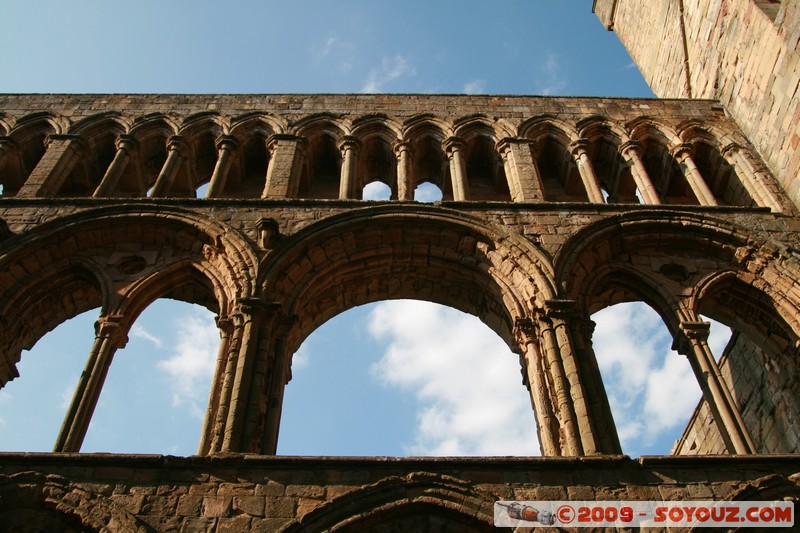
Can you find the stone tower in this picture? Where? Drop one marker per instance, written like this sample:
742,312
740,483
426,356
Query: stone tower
553,208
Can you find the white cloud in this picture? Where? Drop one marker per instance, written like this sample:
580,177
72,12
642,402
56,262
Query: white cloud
336,51
139,332
391,69
301,358
191,365
652,390
553,79
465,379
475,87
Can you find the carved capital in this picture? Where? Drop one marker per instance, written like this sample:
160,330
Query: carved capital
110,327
691,333
178,144
401,146
226,142
563,309
74,142
525,330
127,143
579,147
349,142
277,138
680,151
730,149
629,147
225,325
453,144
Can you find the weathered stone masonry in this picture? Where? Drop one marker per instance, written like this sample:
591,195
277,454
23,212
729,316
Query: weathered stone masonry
553,208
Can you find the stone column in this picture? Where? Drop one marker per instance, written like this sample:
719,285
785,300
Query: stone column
177,148
694,345
522,172
453,147
535,378
126,148
109,337
226,147
570,440
285,166
239,374
683,155
601,417
348,146
405,184
754,182
278,374
590,183
225,326
630,151
63,153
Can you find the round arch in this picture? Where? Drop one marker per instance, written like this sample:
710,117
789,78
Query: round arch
385,252
212,264
412,502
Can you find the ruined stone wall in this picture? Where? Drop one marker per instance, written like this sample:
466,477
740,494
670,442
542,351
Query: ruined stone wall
745,54
760,388
553,208
256,493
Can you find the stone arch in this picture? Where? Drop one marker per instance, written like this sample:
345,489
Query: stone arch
390,252
377,161
655,142
418,501
322,166
604,139
59,251
152,133
508,276
561,179
486,177
99,134
26,146
53,503
723,179
425,135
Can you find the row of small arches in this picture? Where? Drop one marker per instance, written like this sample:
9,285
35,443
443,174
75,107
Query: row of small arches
312,154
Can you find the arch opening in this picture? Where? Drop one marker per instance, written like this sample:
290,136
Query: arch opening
411,378
652,390
428,192
376,190
32,407
154,397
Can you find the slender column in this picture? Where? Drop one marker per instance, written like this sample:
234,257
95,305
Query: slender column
285,164
63,153
683,155
694,345
226,380
225,326
535,379
458,173
570,437
754,182
249,311
109,337
522,172
581,155
126,147
405,185
348,146
279,376
601,417
226,145
177,148
630,151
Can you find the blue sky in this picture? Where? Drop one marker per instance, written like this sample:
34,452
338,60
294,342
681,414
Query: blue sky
392,378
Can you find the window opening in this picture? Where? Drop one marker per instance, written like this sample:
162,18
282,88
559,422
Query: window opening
415,378
32,406
376,190
651,389
427,192
156,391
